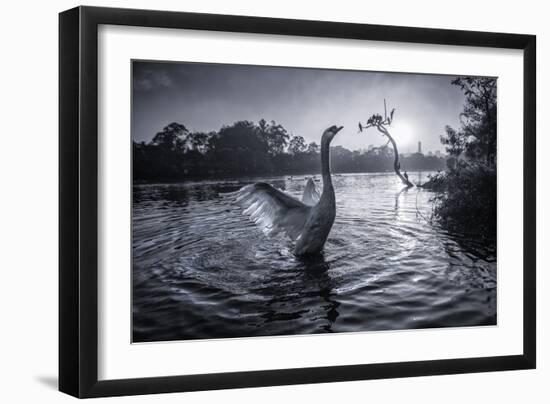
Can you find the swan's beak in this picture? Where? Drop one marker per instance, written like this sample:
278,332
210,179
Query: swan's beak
338,129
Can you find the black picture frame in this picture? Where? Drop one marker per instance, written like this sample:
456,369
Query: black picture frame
78,203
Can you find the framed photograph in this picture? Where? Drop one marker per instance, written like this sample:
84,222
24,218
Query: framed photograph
252,201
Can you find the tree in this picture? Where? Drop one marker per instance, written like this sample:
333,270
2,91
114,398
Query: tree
467,189
172,137
242,149
199,141
297,145
382,125
239,149
275,136
477,136
240,135
455,142
313,148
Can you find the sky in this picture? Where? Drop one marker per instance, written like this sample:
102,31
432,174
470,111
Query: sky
205,97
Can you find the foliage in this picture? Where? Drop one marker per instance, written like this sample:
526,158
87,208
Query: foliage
297,145
172,137
454,141
252,149
313,148
275,135
477,134
469,202
466,201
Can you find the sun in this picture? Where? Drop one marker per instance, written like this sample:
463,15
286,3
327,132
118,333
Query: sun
403,133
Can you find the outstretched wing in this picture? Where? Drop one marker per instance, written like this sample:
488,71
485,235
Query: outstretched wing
272,210
311,195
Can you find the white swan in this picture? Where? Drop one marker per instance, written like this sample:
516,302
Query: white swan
277,212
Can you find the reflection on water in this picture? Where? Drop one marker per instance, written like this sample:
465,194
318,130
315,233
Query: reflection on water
202,270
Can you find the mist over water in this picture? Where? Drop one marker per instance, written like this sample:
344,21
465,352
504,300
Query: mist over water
202,270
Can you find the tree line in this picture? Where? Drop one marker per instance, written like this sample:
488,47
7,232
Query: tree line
246,149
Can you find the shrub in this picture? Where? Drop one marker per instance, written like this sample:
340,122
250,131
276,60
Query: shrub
467,202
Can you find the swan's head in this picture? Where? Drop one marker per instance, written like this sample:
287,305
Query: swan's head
329,134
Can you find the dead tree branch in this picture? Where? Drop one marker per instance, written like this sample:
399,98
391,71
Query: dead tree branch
382,125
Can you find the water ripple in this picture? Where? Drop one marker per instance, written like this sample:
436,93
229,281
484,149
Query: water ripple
202,270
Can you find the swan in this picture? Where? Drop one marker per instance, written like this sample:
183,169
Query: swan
307,222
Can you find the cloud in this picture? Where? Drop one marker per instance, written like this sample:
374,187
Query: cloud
206,96
148,79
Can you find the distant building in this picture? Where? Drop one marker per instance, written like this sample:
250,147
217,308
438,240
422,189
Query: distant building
420,147
430,153
438,153
370,147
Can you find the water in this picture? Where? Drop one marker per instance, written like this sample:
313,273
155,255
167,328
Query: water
202,270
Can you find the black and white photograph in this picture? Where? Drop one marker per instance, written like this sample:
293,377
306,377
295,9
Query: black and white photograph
273,201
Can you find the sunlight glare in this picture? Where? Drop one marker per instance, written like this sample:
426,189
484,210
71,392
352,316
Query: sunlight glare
404,134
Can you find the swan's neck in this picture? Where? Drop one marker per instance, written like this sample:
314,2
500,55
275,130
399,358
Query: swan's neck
325,168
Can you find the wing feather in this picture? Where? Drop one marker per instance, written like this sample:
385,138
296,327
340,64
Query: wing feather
311,194
272,210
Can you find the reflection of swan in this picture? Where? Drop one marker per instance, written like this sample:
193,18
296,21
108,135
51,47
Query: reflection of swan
276,211
309,279
316,277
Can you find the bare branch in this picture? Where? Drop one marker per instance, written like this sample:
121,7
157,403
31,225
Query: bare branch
380,123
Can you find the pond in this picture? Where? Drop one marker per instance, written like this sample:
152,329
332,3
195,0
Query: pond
201,269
